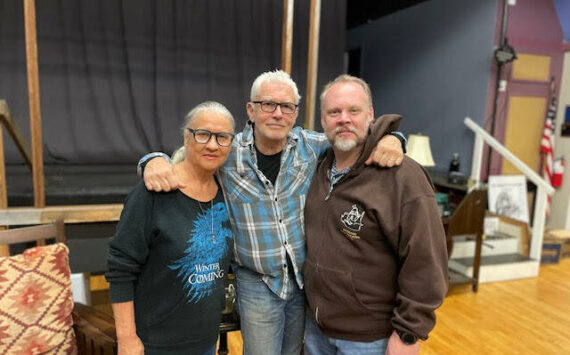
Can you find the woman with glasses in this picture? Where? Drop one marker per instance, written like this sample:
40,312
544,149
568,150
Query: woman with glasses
169,258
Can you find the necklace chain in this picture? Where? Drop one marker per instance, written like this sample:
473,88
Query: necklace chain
212,217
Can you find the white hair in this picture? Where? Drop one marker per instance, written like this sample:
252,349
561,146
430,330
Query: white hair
210,106
207,106
277,76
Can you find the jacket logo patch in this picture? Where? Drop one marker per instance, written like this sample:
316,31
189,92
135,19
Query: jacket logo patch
353,220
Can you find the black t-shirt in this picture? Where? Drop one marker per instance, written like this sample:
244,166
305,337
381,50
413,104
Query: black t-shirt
167,260
269,165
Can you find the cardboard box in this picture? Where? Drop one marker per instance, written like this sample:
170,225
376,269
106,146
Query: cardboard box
550,253
559,236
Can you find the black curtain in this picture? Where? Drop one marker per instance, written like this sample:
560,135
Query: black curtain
117,77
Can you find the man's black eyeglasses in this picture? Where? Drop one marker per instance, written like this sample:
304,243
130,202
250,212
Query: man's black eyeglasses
270,106
203,136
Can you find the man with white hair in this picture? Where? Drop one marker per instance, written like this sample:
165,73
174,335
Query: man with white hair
376,265
265,181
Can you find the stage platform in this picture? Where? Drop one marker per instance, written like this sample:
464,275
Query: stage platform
77,185
72,184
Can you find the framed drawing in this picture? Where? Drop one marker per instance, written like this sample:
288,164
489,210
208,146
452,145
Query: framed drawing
508,197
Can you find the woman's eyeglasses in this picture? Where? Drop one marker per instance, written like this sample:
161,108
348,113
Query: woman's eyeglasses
202,136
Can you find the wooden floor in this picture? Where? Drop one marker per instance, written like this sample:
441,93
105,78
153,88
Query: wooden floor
530,316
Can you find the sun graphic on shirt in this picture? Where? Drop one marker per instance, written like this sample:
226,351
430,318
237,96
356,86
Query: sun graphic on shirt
199,267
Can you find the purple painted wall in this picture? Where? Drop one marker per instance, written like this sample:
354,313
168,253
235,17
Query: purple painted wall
535,23
533,27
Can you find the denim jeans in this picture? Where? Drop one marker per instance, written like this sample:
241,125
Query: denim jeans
269,324
317,343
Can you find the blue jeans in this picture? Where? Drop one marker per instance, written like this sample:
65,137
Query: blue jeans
317,343
269,324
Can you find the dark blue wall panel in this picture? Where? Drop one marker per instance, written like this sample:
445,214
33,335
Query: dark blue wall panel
431,63
563,10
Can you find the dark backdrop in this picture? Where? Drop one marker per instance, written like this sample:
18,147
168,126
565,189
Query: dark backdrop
117,77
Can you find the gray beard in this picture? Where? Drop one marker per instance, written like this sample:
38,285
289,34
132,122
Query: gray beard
345,146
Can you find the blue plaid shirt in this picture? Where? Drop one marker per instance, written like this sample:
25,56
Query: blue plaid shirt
268,219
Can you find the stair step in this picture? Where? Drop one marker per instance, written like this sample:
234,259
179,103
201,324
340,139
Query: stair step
465,248
498,267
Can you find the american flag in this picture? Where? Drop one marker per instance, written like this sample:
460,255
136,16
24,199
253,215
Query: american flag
547,146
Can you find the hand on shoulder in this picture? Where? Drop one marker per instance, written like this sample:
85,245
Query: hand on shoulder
388,153
159,175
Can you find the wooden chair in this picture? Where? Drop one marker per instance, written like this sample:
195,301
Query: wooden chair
37,234
468,219
94,330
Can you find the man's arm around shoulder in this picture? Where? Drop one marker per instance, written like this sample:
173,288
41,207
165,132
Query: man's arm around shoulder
158,173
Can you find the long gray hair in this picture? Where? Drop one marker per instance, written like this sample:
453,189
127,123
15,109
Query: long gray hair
207,106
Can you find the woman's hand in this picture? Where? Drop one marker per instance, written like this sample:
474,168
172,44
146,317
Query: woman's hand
130,345
128,341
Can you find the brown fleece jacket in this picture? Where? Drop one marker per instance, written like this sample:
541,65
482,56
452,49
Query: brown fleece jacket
376,253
